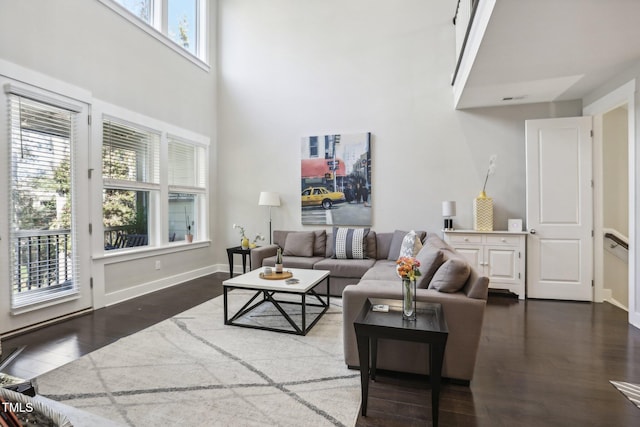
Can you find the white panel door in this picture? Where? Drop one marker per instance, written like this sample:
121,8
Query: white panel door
559,208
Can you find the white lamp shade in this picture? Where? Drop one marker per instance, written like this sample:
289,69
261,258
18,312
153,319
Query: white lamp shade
268,198
449,208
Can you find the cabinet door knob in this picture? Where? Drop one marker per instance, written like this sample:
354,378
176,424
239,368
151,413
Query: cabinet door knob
532,231
504,240
466,239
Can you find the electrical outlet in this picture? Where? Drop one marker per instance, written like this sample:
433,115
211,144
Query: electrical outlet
158,265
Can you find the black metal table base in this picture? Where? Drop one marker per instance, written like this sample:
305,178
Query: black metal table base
268,296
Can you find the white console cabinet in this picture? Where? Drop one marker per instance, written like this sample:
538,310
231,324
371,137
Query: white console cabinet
499,255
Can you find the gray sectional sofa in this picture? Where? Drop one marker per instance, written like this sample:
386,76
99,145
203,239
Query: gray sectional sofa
446,278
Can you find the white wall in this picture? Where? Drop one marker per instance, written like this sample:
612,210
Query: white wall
87,45
615,158
290,69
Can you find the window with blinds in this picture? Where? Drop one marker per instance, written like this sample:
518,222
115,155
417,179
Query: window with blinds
42,258
187,187
131,175
186,164
130,155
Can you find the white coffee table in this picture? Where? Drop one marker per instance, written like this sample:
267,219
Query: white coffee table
266,290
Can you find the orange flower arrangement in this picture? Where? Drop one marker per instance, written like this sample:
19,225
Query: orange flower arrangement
408,267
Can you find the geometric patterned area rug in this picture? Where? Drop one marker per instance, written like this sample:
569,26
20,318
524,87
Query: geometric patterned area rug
631,391
192,370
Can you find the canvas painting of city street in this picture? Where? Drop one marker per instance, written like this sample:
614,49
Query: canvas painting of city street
336,179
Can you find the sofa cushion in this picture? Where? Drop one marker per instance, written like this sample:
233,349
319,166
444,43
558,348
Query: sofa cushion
280,237
345,267
372,246
320,243
431,258
293,261
451,276
383,269
434,240
396,244
349,243
383,243
299,243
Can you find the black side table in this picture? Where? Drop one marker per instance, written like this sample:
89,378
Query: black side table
429,327
244,253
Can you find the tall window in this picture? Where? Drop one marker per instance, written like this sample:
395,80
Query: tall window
130,170
181,21
140,8
41,249
187,187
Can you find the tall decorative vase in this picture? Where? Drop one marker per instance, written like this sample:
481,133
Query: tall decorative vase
408,299
483,212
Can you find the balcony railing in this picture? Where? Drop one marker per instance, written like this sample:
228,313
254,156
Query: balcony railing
121,237
43,263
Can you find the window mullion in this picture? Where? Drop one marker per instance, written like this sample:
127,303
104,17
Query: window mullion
161,18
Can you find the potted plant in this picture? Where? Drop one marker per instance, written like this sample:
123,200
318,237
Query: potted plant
188,237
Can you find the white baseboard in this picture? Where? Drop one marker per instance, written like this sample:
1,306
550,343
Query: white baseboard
612,301
156,285
603,295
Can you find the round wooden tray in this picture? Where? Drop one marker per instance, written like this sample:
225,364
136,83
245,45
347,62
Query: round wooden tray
277,276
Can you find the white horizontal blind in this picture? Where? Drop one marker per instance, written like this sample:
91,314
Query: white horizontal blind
130,156
41,153
187,166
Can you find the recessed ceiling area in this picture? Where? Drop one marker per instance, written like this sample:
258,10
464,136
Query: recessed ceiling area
551,50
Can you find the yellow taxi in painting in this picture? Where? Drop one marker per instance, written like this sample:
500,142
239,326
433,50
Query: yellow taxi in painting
320,196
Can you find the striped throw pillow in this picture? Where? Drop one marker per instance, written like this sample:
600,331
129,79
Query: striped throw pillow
349,243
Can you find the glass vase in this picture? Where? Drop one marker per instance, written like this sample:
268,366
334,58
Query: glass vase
408,299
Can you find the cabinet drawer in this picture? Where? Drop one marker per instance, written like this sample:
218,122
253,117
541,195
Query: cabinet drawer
503,240
465,238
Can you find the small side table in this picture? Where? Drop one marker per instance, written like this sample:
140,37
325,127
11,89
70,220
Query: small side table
238,250
429,327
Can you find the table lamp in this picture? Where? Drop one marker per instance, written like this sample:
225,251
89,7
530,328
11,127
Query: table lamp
448,211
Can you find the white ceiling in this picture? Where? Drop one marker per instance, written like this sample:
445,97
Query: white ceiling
552,50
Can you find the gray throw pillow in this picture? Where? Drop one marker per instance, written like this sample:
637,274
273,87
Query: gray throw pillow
451,276
396,244
350,243
431,258
299,243
320,243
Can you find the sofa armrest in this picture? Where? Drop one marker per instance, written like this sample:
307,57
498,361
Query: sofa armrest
464,318
260,253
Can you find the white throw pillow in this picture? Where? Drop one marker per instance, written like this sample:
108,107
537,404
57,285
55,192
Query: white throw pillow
411,245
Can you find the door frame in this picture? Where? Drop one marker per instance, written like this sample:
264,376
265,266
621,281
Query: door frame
624,95
29,317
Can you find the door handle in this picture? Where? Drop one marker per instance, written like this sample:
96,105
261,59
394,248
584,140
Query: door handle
532,231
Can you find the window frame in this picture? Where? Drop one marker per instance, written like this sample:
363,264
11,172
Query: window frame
196,188
158,216
158,28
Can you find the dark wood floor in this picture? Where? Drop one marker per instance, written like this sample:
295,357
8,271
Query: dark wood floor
540,363
53,346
